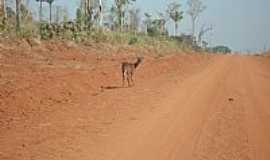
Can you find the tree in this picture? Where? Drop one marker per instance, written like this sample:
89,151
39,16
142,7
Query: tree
154,26
148,21
162,22
134,19
40,9
79,16
99,13
91,11
57,16
65,15
175,14
50,2
195,8
26,15
204,30
18,18
10,13
112,18
3,8
120,9
221,49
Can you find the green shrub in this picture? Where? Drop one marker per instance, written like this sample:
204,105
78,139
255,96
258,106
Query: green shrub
99,37
133,40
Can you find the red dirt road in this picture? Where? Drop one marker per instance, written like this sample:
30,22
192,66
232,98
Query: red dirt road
183,107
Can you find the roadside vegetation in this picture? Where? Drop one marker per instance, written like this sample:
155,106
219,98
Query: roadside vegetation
97,21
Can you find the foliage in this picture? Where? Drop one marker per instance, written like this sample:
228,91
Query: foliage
187,40
122,16
133,40
155,26
10,13
203,31
120,10
50,2
26,15
221,49
134,19
196,7
175,14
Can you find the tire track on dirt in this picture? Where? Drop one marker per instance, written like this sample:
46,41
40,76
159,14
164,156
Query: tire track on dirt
257,85
224,134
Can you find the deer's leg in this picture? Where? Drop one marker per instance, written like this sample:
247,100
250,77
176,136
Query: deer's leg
131,76
123,79
128,79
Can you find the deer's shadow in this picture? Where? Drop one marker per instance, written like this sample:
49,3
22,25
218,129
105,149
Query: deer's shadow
111,87
114,87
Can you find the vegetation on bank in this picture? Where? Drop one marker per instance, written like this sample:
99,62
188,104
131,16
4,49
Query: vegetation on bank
121,23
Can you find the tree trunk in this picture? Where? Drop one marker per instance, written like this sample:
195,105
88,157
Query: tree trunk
50,13
122,20
175,29
18,19
85,7
100,13
89,12
40,11
119,20
193,27
4,8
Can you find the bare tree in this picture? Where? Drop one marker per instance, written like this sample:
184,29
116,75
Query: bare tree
195,8
204,30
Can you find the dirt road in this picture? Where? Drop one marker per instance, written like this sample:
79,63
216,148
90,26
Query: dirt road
220,110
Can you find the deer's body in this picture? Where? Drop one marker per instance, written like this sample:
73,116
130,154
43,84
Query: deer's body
128,70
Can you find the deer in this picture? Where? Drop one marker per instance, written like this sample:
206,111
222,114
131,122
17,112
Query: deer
128,70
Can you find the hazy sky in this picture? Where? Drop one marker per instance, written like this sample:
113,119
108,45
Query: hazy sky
244,25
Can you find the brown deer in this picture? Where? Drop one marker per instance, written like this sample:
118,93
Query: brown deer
128,70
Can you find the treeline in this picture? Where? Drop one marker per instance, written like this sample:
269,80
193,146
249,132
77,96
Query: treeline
95,20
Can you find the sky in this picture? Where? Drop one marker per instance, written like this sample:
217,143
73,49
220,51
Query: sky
243,25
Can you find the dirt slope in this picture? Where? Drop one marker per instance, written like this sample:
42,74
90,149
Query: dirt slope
199,107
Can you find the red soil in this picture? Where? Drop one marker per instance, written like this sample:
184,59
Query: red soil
63,101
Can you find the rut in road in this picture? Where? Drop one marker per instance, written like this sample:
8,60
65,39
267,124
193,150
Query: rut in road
225,135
